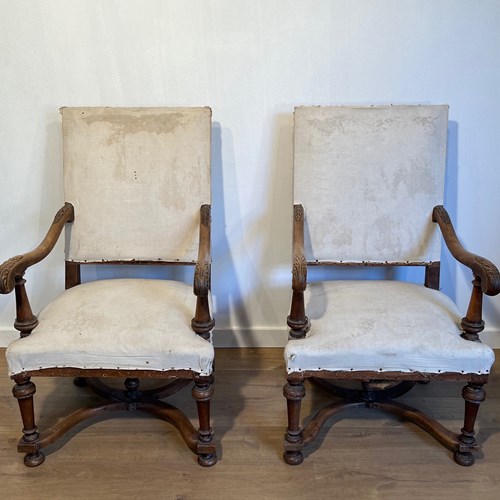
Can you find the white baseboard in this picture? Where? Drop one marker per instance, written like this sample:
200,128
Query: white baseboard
7,335
252,337
491,337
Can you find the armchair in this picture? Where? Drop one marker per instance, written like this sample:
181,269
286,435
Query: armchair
137,189
368,191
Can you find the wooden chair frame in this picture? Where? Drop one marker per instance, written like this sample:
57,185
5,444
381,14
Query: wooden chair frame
199,441
377,390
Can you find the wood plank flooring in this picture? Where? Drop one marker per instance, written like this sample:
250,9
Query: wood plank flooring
367,454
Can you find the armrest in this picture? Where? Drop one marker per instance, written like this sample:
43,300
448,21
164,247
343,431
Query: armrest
202,271
299,266
485,270
16,266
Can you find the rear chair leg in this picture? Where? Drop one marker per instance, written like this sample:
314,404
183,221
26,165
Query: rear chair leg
293,391
202,392
474,395
23,391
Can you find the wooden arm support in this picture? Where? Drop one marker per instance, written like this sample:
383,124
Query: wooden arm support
297,320
13,269
299,269
202,322
486,275
201,285
484,270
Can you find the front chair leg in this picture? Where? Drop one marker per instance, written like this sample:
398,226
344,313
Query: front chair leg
474,395
293,391
202,392
24,391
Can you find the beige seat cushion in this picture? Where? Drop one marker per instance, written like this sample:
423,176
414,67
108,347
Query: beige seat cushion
131,324
384,326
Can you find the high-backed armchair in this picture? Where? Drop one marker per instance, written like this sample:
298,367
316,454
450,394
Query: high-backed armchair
368,191
137,191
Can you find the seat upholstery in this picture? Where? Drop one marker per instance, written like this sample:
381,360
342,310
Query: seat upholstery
384,326
128,324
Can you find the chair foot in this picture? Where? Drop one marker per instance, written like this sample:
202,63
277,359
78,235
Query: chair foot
465,459
293,457
207,460
34,459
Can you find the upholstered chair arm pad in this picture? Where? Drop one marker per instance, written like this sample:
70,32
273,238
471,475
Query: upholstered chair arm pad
299,266
16,266
202,270
481,267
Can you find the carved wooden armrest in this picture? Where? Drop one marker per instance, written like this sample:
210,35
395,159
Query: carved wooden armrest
297,320
14,268
482,268
203,322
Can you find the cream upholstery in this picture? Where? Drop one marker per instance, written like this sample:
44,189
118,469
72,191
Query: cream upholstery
368,179
131,324
384,326
146,169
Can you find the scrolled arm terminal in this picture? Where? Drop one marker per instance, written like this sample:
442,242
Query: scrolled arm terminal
15,267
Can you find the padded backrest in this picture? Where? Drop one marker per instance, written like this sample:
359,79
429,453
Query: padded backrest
368,178
137,178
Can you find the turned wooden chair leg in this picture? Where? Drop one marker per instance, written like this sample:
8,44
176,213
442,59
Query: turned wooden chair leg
293,391
24,391
474,395
202,393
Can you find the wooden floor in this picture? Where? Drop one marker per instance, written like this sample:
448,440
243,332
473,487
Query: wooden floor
367,454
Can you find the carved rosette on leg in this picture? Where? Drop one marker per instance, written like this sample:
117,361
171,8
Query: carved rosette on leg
294,392
24,391
474,395
202,393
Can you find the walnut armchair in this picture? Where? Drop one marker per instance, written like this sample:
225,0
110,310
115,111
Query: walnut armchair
137,189
368,191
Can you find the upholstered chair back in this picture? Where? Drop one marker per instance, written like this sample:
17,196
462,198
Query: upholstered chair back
136,178
368,179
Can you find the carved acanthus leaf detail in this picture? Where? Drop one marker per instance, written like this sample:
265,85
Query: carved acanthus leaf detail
62,212
298,212
205,215
492,274
299,272
201,278
443,214
7,278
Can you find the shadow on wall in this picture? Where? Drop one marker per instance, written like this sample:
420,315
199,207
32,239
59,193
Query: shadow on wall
276,259
449,266
225,286
448,262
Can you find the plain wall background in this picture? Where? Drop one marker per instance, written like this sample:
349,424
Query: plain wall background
251,61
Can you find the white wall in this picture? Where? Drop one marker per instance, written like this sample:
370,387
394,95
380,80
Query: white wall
251,61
